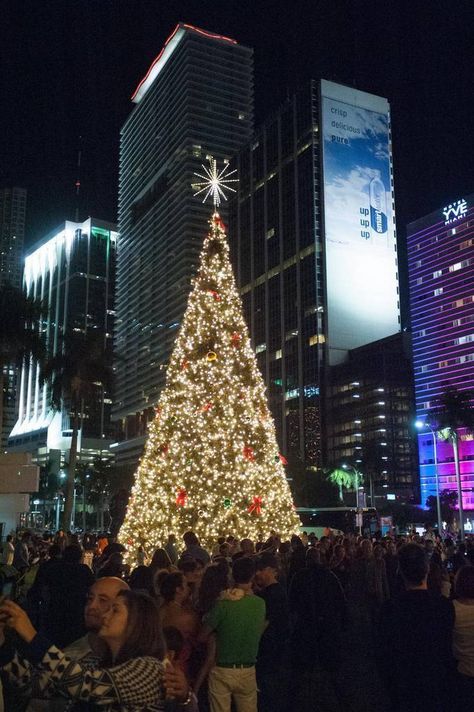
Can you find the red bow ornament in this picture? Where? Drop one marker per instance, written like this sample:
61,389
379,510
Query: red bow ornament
256,506
181,497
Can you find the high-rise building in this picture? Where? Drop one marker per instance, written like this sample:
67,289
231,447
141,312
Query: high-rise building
370,418
73,272
312,234
196,99
12,235
441,275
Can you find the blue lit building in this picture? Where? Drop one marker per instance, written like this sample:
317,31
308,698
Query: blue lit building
441,274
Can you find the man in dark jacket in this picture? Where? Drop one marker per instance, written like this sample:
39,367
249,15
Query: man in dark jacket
414,640
272,658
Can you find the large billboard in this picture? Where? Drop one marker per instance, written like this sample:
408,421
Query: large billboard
359,229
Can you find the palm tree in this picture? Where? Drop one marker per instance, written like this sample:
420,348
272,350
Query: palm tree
343,478
453,413
77,374
20,335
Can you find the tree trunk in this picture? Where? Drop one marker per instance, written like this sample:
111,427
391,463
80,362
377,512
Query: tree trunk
71,472
459,484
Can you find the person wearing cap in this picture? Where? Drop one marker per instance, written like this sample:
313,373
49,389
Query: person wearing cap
237,621
273,651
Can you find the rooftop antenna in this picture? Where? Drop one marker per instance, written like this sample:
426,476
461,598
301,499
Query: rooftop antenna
78,178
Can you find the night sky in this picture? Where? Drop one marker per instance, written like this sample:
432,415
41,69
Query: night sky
69,67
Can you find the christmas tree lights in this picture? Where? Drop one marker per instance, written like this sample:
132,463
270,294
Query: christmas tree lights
211,462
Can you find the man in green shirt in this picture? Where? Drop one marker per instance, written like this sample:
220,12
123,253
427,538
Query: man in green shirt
238,621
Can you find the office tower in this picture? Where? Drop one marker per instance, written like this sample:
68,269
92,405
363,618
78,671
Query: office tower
370,418
441,275
196,99
73,271
312,234
12,235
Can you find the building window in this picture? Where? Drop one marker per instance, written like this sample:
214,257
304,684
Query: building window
277,354
464,339
270,233
317,339
438,273
260,348
419,280
438,292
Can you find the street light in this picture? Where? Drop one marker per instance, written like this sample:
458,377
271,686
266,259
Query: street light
420,425
356,472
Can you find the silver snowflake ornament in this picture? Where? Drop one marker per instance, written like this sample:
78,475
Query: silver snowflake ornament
215,182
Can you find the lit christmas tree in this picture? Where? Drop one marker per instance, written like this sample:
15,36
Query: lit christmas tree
211,461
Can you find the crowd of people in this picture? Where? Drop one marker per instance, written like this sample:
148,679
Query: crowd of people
245,626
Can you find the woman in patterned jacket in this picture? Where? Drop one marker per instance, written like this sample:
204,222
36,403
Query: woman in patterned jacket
131,679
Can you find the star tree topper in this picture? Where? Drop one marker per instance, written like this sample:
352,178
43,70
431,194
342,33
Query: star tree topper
214,182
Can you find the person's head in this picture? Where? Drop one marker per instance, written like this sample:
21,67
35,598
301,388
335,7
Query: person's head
243,570
190,539
99,600
141,579
25,537
429,546
72,554
171,539
9,537
413,565
366,548
296,542
224,549
160,560
247,547
132,627
313,556
174,587
191,569
464,583
266,569
214,581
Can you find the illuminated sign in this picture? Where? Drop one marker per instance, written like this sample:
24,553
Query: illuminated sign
359,223
455,211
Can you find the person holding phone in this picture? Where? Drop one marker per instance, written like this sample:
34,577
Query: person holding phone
130,676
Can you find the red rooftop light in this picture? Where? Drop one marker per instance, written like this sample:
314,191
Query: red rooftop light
211,35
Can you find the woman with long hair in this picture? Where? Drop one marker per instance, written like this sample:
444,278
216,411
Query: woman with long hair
132,676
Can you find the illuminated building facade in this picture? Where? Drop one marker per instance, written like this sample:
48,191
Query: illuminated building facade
441,273
195,100
73,271
317,281
12,235
371,415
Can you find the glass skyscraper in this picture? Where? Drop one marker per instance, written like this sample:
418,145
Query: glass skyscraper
441,274
12,235
195,100
315,258
73,272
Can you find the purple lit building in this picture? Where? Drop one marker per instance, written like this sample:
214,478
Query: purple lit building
441,272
